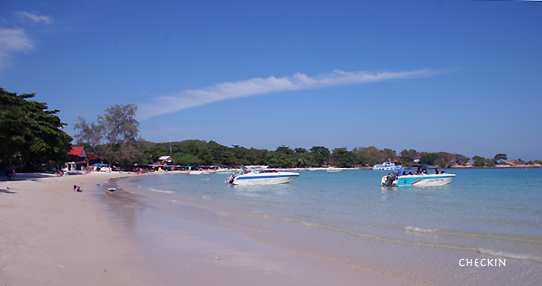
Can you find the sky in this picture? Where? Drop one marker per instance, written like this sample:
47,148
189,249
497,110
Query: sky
453,76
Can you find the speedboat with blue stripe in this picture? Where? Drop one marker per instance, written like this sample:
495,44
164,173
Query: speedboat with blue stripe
249,176
421,178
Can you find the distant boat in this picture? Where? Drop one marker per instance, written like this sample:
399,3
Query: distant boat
386,166
224,171
333,169
420,179
249,176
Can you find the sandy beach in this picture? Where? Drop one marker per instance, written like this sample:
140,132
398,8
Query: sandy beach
52,235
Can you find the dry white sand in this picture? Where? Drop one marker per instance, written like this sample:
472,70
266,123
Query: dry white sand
52,235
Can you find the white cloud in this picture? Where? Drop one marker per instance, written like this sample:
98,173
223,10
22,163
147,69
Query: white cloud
12,40
256,86
38,19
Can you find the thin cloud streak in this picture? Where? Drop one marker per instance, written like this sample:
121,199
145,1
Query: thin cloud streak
38,19
11,41
257,86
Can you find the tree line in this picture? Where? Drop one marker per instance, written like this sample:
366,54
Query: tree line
32,137
114,137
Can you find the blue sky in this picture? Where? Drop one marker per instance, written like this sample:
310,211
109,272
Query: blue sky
457,76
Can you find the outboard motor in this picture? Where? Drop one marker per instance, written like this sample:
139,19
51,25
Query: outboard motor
389,180
229,180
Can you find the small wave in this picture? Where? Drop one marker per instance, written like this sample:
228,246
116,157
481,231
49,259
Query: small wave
161,191
510,255
419,229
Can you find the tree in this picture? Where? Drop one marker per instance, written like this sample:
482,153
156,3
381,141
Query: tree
119,128
460,159
282,157
371,155
301,157
342,158
319,155
479,161
408,156
88,134
118,124
429,158
500,157
29,133
220,154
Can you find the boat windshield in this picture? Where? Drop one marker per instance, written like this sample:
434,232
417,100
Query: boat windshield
246,170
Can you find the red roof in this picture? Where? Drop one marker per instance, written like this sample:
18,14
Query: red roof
78,151
93,157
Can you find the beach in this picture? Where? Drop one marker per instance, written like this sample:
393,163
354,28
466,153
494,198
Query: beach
53,235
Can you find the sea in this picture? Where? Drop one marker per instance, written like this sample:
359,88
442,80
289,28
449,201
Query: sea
484,228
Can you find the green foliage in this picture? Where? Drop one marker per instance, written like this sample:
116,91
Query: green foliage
198,152
479,161
342,158
282,157
90,134
319,156
187,159
119,128
118,124
429,158
371,155
459,159
30,135
500,157
408,156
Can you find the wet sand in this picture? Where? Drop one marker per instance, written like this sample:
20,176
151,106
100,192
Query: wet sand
52,235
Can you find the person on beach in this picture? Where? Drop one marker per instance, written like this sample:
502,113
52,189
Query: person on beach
9,173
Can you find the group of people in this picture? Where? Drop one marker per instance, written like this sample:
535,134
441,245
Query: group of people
420,171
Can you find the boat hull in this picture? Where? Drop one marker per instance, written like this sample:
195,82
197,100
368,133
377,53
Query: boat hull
265,179
422,180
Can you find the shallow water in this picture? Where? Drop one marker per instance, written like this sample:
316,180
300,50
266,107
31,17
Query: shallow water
447,235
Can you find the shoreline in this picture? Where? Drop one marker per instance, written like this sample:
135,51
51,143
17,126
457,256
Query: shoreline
95,237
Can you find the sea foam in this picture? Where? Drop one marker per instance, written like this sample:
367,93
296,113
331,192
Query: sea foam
509,255
161,191
419,229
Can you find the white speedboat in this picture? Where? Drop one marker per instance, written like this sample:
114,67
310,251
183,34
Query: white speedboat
386,166
249,176
420,179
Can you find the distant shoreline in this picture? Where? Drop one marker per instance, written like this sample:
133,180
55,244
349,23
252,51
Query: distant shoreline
19,176
453,167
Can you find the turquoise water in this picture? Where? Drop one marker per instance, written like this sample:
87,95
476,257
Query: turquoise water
419,236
